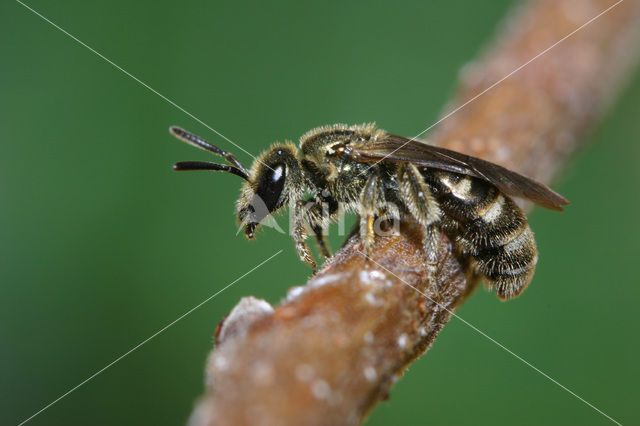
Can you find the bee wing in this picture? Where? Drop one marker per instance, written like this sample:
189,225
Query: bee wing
400,149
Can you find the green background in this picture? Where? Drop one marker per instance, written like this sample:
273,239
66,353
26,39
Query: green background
102,244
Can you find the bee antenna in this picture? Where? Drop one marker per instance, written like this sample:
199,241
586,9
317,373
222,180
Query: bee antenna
198,142
206,165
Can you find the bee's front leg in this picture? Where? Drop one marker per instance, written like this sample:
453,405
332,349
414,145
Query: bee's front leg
318,232
318,213
299,234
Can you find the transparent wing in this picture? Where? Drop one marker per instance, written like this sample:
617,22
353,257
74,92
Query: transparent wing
400,149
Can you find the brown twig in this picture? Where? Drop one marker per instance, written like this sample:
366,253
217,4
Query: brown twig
333,349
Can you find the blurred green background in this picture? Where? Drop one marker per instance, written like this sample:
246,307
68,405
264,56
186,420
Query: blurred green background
102,244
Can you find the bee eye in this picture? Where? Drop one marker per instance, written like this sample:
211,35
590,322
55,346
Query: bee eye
271,185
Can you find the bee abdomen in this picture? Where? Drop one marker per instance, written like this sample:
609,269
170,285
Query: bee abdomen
510,266
494,223
481,215
503,246
491,228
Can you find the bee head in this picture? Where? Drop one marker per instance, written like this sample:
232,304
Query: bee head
274,179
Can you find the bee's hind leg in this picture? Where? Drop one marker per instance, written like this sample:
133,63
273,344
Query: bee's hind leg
417,197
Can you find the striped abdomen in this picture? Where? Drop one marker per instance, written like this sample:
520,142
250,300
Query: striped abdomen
490,227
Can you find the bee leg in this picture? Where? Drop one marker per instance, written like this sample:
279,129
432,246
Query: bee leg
418,199
369,200
300,234
318,216
430,244
318,233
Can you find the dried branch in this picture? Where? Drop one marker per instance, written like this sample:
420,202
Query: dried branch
333,349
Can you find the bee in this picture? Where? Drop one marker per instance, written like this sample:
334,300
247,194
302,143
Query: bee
377,175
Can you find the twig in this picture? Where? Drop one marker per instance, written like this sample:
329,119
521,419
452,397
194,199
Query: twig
333,349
